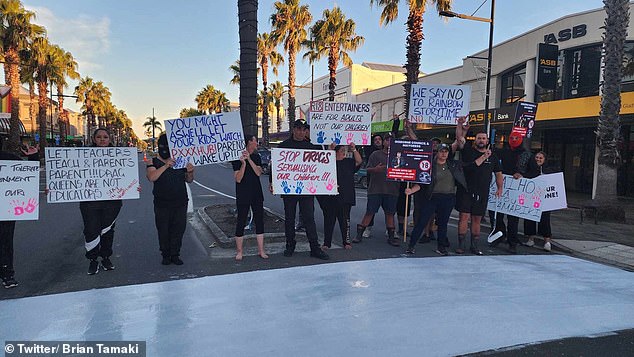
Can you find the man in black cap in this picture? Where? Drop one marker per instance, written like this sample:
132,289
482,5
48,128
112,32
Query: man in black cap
306,202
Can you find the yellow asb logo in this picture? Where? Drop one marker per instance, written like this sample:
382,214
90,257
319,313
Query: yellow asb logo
547,62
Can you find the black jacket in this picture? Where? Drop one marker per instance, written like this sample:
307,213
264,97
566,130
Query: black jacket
455,167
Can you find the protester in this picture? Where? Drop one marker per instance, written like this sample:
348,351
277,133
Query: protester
537,167
479,162
381,193
306,202
377,144
31,152
438,198
99,220
246,172
7,230
170,201
338,207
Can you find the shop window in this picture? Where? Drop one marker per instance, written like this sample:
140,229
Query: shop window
513,86
582,68
627,82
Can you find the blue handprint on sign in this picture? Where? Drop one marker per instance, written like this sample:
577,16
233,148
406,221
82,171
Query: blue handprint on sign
337,138
285,187
300,187
321,137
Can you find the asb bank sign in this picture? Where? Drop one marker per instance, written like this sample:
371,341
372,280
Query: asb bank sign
566,34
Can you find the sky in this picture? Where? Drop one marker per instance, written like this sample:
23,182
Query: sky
158,54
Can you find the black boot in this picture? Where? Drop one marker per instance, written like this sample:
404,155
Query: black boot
359,236
391,239
474,246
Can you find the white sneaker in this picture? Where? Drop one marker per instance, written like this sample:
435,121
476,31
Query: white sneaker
529,243
547,246
367,232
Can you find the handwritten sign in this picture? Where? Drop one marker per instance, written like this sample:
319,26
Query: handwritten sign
437,104
304,172
205,139
19,196
340,123
409,161
520,198
91,174
554,191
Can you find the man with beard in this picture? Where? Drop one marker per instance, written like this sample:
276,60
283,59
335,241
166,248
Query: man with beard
479,162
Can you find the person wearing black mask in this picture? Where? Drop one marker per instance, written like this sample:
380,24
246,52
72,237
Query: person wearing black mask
170,201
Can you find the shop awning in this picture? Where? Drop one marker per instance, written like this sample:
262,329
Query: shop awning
5,124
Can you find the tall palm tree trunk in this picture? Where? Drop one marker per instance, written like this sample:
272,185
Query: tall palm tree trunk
291,85
32,113
333,59
248,30
277,115
13,60
61,116
265,105
414,40
41,116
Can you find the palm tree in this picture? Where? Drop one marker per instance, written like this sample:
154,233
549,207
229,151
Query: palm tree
93,96
16,32
333,35
212,100
190,112
235,69
277,90
248,31
415,33
267,54
27,76
289,23
150,125
69,69
609,127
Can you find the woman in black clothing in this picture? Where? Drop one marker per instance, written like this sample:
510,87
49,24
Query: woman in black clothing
338,207
531,228
99,220
246,172
170,201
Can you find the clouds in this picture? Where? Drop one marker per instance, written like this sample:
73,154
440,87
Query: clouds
86,37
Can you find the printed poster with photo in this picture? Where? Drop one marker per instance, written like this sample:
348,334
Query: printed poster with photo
340,123
524,122
303,172
19,197
438,104
410,161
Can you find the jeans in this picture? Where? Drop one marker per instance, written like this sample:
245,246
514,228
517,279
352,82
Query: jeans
440,203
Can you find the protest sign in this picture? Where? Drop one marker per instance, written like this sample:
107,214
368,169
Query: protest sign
340,123
304,172
91,174
437,104
205,139
524,119
409,160
554,191
520,198
19,197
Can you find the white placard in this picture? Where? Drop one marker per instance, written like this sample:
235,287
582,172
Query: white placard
205,139
91,174
520,198
438,104
554,191
341,123
19,196
303,172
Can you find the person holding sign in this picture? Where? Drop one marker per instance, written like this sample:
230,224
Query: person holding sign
99,220
535,168
438,198
246,172
170,201
7,230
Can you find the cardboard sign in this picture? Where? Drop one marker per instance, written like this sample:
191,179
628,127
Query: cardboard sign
304,172
340,123
554,191
525,119
409,160
520,198
19,197
437,104
205,139
91,174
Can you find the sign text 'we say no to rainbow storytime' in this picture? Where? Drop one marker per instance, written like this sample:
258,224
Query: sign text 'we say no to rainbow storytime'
91,174
19,195
437,104
205,139
304,172
340,123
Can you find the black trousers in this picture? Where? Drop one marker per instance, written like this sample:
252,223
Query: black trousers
99,222
531,228
306,211
510,230
336,211
170,225
258,217
7,228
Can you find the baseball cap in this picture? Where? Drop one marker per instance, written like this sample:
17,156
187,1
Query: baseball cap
300,123
443,147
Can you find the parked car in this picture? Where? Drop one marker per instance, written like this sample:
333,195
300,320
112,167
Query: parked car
361,178
265,154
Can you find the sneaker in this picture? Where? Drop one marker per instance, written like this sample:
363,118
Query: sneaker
513,248
319,254
529,243
410,251
442,251
367,232
106,264
9,283
547,246
176,260
476,251
166,261
93,267
395,242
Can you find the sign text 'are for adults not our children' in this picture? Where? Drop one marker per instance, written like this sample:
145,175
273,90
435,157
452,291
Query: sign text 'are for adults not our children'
91,174
340,123
438,104
304,172
205,139
19,195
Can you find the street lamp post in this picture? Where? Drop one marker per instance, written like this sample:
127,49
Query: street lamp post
487,122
